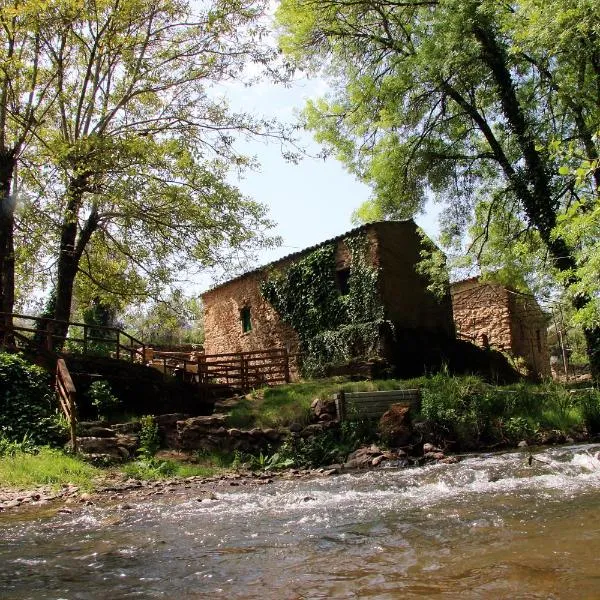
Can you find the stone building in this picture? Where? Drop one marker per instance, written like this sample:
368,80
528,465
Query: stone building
238,319
493,315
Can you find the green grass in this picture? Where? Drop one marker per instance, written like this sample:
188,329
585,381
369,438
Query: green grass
47,467
285,404
156,468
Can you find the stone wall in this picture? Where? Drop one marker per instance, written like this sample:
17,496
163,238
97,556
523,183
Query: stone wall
223,328
529,333
482,313
490,314
408,303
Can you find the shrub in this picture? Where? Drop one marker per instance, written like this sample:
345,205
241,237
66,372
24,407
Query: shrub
12,448
102,398
28,409
149,437
589,406
460,407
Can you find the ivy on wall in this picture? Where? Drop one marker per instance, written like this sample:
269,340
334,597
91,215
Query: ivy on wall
332,328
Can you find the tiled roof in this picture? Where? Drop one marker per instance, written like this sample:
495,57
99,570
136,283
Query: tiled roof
299,253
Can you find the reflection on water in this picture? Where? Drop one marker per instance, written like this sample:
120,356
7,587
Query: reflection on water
487,527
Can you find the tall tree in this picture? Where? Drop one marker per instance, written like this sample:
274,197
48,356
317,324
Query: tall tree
463,100
25,97
139,145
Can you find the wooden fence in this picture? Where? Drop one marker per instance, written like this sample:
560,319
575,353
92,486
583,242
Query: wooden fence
240,370
67,396
30,332
372,405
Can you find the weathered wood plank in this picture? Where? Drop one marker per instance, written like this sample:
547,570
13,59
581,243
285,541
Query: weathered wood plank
373,405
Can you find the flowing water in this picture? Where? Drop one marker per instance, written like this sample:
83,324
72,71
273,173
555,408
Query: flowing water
490,526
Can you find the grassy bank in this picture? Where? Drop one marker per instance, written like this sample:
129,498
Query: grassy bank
459,412
45,467
285,404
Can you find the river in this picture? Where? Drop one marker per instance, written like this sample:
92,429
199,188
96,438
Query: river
491,526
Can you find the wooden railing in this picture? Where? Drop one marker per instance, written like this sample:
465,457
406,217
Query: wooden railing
243,370
67,397
25,331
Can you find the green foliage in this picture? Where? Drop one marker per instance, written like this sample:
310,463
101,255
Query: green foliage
12,448
27,403
126,183
331,446
333,328
306,295
470,412
491,108
175,320
102,398
149,468
589,406
100,314
149,437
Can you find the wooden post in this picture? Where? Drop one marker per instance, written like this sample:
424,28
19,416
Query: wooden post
49,336
243,372
340,405
286,364
202,371
66,395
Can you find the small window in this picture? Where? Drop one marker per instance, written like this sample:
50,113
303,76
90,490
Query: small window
538,334
245,318
343,281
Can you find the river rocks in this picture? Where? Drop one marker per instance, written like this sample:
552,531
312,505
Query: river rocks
550,437
209,433
167,428
434,456
323,409
427,448
206,496
370,456
394,425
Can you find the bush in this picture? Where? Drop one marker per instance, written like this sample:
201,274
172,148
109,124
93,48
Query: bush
28,409
328,447
102,398
149,437
460,407
589,406
12,448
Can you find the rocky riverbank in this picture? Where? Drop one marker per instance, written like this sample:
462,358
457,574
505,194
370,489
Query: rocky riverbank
115,488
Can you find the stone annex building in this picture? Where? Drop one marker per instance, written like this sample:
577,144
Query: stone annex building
490,314
238,319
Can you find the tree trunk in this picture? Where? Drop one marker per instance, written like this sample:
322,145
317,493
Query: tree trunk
71,249
7,249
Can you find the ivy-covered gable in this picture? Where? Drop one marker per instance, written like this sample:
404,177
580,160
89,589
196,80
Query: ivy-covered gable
333,325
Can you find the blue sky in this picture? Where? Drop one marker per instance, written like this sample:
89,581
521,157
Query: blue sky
311,201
